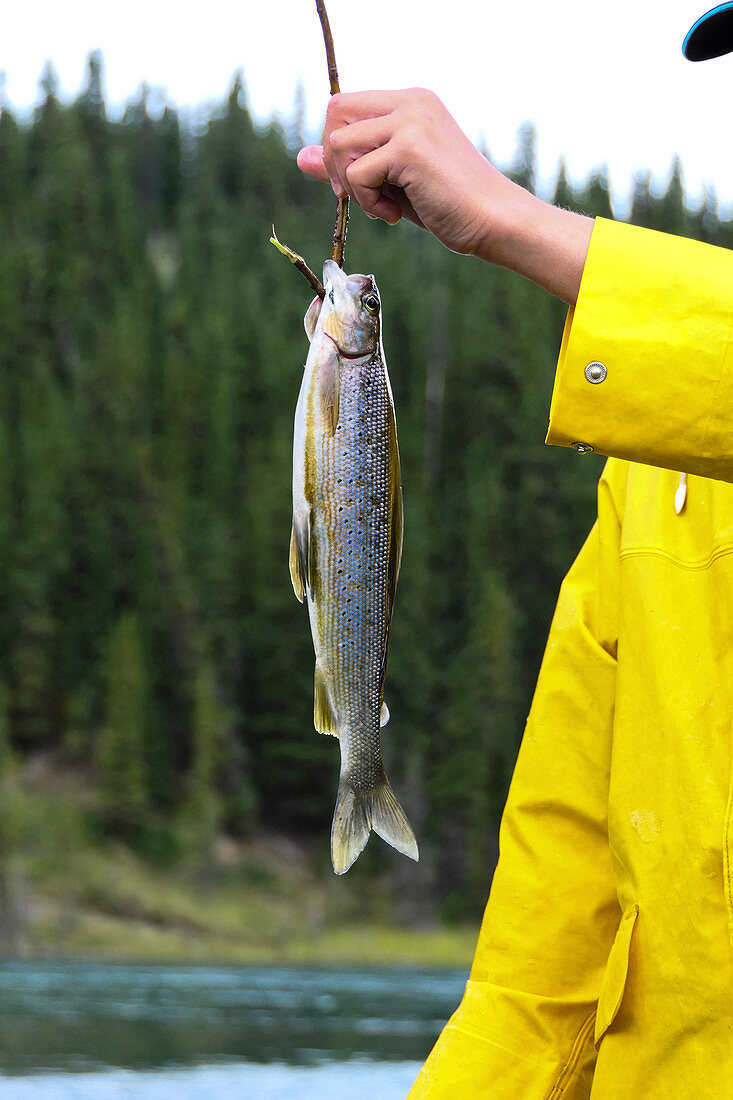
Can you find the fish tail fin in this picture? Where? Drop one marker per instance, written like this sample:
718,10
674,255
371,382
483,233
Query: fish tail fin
390,822
357,813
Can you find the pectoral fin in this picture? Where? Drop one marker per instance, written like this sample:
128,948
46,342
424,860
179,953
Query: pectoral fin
384,715
323,717
311,317
299,548
329,390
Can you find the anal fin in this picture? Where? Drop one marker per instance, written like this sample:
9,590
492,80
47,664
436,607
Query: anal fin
323,717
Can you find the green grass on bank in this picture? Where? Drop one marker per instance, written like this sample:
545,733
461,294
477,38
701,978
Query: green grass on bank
267,900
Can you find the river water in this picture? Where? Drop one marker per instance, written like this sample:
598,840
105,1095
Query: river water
86,1031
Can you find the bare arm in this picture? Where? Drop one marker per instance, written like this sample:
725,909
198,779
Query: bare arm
401,154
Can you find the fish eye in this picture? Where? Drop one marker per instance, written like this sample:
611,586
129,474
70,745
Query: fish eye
370,303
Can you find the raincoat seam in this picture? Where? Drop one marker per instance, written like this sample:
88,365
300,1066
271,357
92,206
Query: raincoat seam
700,563
567,1071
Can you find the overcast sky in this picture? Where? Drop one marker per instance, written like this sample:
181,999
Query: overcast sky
602,81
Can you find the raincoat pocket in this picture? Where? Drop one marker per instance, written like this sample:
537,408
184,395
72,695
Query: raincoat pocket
614,979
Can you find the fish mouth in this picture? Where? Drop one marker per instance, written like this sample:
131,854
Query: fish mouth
346,354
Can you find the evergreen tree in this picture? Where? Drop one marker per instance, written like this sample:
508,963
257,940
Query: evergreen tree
92,111
202,811
121,745
642,205
595,199
706,223
524,167
671,215
563,194
11,931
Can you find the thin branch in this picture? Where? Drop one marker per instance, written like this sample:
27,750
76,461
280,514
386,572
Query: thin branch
333,73
339,231
342,213
299,263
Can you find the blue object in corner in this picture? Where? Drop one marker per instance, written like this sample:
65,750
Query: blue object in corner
711,36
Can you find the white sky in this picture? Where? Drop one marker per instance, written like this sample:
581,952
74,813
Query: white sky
603,81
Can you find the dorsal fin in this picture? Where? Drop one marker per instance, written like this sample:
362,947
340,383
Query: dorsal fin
396,530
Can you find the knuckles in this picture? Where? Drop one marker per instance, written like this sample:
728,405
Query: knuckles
411,140
422,100
335,110
335,103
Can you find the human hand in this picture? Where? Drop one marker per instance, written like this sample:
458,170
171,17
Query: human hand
402,154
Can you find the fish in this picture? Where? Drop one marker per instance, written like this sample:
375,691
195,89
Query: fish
346,548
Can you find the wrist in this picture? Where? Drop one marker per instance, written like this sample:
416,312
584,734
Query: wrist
536,239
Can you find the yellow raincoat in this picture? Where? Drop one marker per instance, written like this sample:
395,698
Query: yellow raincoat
604,966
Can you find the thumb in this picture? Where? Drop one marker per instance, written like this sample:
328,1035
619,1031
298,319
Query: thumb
310,161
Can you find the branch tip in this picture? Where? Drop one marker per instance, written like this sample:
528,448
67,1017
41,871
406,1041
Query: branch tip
298,262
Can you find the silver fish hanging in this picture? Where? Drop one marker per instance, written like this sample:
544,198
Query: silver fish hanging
346,547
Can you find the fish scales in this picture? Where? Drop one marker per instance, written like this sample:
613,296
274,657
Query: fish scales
353,556
346,548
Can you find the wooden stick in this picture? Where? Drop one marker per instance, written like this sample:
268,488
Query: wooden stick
342,211
299,263
333,73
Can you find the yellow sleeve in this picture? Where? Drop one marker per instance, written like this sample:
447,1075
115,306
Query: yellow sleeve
524,1028
656,312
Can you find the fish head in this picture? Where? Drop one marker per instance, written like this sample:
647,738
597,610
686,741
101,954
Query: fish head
351,311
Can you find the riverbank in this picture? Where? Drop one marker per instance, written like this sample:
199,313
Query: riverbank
270,899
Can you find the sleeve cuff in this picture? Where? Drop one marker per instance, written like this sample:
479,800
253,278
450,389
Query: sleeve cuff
645,371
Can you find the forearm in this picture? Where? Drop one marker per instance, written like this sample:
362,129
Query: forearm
542,242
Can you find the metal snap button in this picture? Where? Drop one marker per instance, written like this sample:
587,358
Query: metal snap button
595,372
582,448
